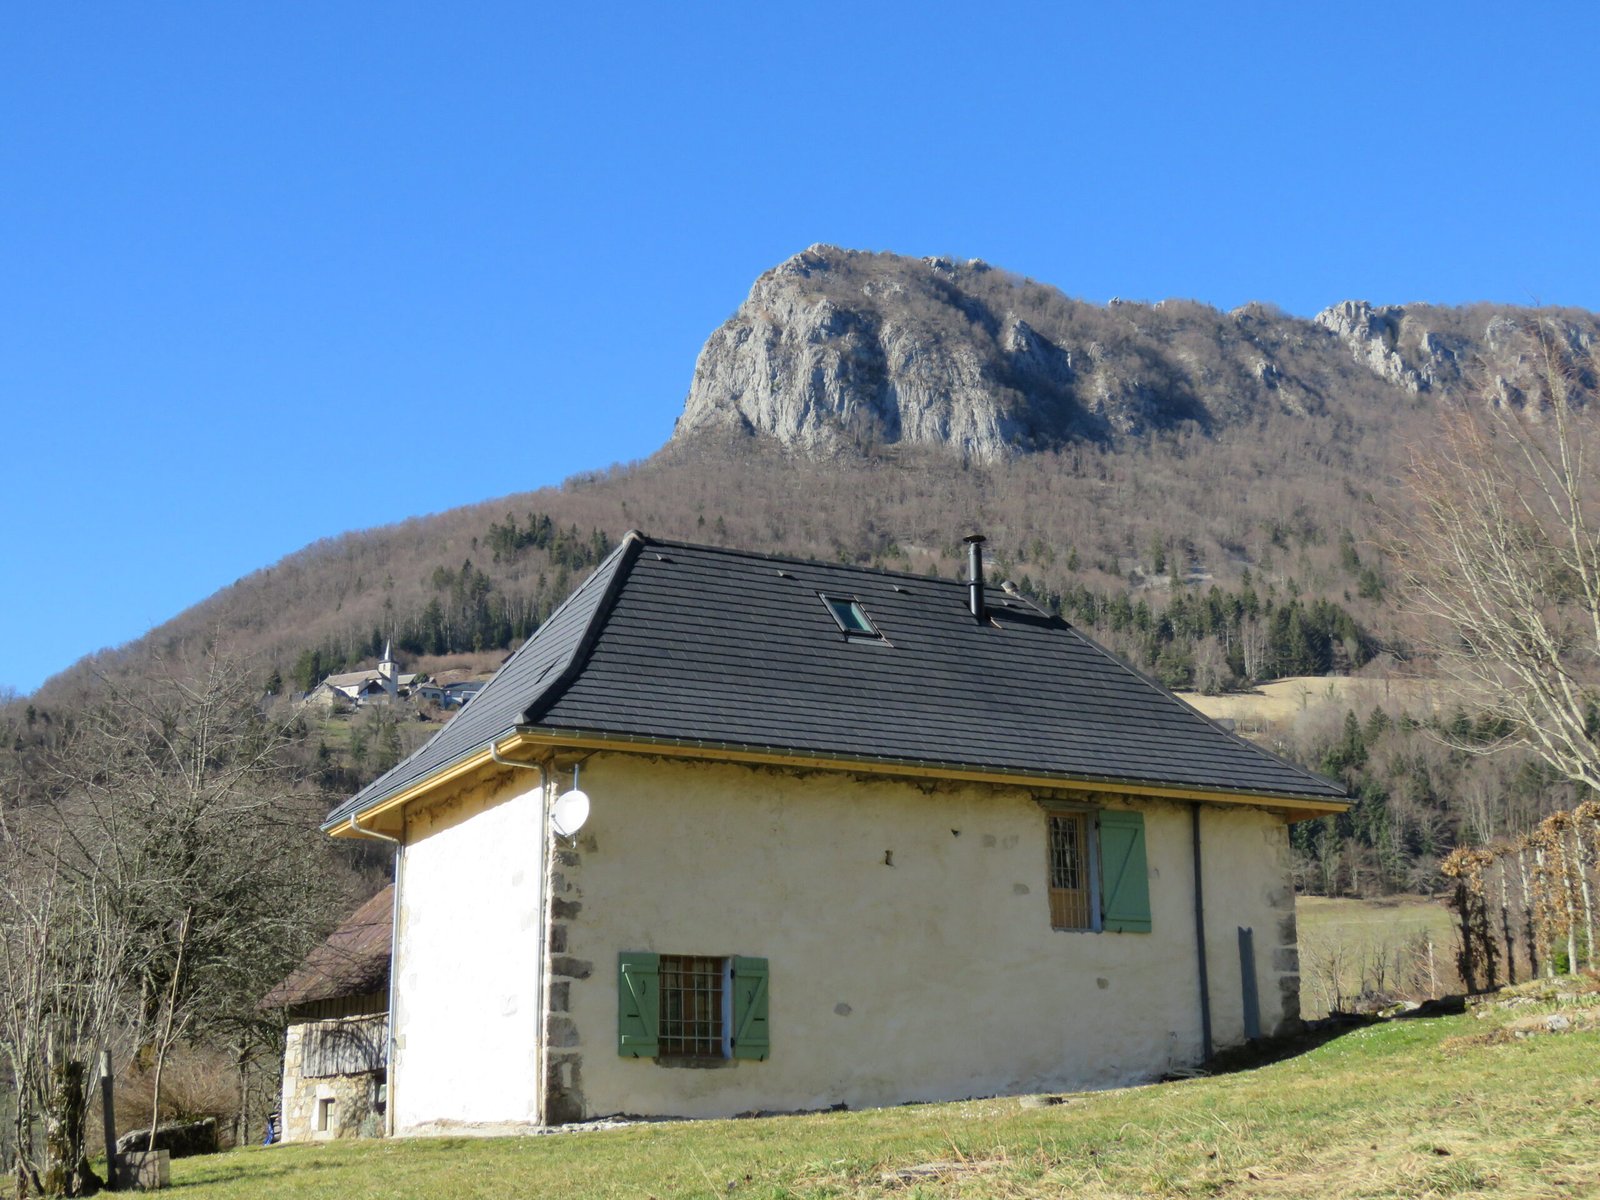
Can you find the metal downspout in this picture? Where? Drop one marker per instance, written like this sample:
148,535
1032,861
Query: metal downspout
542,972
394,962
1200,935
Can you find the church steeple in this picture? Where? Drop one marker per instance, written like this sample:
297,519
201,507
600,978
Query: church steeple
389,672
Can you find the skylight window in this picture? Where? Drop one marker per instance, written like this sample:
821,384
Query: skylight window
851,617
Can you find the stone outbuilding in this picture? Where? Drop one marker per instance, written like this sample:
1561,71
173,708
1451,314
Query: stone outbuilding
336,1049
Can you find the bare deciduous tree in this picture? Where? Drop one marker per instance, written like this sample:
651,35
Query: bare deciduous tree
1501,551
163,869
63,948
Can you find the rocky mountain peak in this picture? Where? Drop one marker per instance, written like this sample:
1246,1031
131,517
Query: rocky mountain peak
1374,337
836,349
1431,348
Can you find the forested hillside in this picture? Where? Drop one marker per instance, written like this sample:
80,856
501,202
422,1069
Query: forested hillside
1262,576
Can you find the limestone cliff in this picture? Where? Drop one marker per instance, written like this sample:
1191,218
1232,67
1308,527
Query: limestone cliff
836,348
1430,348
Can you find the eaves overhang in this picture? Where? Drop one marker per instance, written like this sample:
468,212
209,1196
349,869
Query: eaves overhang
534,743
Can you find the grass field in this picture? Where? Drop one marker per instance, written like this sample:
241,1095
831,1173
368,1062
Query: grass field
1281,699
1399,945
1453,1106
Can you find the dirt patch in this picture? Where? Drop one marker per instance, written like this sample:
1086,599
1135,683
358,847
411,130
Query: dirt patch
936,1172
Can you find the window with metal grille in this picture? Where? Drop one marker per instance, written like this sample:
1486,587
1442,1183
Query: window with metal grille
693,995
1071,872
1099,873
683,1008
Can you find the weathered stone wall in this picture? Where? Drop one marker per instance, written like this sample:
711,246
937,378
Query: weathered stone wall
357,1109
906,926
908,935
563,1056
1285,962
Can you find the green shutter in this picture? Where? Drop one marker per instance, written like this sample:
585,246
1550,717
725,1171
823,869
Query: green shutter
1124,877
751,1032
638,1004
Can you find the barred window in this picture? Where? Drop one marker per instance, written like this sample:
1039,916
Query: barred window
680,1007
693,1007
1099,875
1071,892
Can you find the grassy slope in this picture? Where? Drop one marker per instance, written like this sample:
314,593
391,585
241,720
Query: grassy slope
1411,1108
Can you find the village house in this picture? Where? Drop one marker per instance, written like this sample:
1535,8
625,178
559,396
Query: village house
852,838
383,682
457,694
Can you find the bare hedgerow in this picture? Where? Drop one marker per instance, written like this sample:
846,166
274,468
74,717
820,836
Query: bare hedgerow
1543,882
1478,956
1499,549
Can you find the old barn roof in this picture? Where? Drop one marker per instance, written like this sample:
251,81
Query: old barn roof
675,643
354,961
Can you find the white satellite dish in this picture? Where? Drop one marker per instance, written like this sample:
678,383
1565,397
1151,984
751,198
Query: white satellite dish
569,812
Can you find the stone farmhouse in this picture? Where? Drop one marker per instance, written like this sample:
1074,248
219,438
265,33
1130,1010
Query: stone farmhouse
852,837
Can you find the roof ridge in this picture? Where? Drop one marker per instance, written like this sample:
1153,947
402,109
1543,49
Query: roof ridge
627,553
885,572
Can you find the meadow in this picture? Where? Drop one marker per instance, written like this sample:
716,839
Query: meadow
1490,1103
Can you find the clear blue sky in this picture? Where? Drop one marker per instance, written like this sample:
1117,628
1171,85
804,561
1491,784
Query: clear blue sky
251,255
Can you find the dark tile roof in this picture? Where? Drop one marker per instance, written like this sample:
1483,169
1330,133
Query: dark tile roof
499,706
675,642
354,961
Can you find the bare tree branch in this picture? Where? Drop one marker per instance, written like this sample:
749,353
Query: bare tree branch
1499,555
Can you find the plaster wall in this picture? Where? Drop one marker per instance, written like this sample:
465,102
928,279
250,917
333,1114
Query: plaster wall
908,934
470,944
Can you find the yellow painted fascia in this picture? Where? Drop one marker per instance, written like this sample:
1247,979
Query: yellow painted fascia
541,743
1301,807
392,806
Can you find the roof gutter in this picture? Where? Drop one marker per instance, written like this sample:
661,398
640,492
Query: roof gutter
465,765
496,756
360,830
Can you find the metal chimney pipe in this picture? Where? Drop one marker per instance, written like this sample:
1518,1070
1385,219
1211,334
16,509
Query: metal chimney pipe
975,602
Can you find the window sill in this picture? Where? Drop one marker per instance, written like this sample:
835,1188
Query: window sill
701,1063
